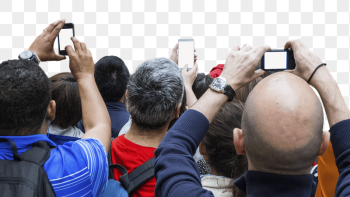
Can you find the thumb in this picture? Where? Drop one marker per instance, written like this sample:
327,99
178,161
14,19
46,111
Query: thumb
185,68
59,57
259,73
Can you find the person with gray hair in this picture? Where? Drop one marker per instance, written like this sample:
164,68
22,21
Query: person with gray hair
154,95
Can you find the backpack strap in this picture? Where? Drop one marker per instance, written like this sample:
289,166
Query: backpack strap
133,181
109,156
14,148
38,154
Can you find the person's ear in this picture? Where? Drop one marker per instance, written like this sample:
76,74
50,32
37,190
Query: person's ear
51,111
177,111
126,93
238,140
325,142
203,151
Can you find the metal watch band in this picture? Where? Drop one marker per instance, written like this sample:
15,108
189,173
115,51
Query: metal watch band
230,92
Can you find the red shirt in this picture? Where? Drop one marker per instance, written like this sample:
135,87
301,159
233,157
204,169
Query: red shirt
131,156
216,71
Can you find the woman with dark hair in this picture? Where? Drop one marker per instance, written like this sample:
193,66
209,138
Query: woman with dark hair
201,84
65,92
219,152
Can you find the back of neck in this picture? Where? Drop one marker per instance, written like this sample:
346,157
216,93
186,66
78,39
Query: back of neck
148,138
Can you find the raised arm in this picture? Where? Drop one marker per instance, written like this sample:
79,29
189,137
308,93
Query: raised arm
96,119
189,77
322,81
175,169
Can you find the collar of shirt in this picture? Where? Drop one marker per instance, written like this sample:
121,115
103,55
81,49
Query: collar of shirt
115,106
23,143
255,183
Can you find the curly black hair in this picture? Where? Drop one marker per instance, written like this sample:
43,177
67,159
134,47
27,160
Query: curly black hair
24,97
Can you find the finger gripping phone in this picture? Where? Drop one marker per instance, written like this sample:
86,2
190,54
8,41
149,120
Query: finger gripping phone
278,60
186,52
64,38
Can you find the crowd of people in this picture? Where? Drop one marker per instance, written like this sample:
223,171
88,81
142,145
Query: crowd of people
165,131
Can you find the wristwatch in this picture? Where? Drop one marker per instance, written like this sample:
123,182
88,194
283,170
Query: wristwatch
28,55
219,85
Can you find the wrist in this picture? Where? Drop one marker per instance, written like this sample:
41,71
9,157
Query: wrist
322,78
84,78
235,85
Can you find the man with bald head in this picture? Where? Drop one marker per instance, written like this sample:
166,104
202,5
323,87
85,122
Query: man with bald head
281,129
282,122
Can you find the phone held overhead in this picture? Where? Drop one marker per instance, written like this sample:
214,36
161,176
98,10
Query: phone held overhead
64,38
278,60
186,52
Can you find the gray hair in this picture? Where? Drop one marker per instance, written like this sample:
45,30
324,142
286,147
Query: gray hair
154,92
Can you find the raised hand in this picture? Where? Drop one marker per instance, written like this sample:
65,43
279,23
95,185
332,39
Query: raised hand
175,57
43,44
80,60
189,76
306,61
240,65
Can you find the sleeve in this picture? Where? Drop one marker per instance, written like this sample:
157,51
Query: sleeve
340,139
176,171
94,154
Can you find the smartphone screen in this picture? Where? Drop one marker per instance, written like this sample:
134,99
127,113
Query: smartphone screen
186,53
275,60
64,38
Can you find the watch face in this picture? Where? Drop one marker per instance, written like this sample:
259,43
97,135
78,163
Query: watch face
26,55
218,84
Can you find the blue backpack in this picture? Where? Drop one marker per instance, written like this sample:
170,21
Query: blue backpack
129,182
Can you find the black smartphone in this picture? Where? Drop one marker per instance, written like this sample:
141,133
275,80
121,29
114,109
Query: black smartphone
278,60
186,52
64,38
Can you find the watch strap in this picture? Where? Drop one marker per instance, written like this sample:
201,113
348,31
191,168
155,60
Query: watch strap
230,92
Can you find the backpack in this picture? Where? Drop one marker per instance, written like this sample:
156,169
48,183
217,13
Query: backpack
129,182
25,175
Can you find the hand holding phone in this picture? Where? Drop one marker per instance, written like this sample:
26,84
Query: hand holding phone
186,53
64,38
43,44
278,60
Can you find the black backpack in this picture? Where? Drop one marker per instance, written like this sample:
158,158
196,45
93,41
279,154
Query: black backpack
25,175
135,179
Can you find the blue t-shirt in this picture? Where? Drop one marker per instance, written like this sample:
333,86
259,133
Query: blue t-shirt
77,168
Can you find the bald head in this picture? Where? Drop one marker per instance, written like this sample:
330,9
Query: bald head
282,124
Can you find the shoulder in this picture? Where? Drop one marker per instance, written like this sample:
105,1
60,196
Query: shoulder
84,153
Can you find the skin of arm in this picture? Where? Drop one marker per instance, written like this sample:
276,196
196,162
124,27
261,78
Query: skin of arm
189,77
96,119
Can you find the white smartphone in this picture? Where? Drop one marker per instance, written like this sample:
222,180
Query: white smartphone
186,52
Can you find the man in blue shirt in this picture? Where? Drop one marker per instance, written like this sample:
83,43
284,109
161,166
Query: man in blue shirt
76,168
112,76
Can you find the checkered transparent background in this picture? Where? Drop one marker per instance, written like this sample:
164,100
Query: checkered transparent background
137,30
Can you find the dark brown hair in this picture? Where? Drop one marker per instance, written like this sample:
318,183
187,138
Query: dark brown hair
222,155
65,92
243,93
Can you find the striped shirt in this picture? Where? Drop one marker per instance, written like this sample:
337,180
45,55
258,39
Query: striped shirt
78,168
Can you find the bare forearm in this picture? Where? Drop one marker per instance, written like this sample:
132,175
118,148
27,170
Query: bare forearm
332,99
210,104
191,98
94,110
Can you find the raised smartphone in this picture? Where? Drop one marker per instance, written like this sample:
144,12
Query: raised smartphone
278,60
64,38
186,52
